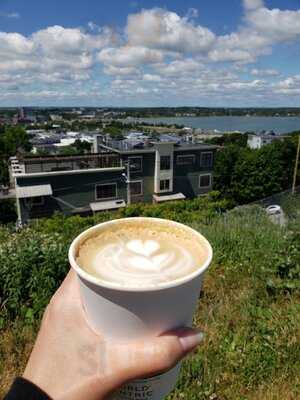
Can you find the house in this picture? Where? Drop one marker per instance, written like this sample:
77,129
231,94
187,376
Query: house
256,141
69,184
164,169
119,173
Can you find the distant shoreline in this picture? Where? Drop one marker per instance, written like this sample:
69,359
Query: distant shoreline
229,123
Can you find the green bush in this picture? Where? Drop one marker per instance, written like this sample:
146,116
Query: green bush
7,211
32,267
286,266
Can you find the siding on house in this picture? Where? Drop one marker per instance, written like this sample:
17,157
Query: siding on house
146,175
70,192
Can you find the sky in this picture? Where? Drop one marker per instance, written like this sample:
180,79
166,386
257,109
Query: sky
229,53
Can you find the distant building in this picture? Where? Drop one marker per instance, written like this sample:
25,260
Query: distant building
3,120
15,119
87,116
119,173
256,141
21,113
56,117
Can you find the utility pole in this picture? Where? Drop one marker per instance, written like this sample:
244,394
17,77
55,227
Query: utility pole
296,166
127,177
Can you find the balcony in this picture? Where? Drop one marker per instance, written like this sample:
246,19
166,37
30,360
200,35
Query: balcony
70,163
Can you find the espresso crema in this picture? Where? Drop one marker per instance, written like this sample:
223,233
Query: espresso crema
135,254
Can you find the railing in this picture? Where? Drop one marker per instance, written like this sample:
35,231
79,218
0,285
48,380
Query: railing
275,198
64,163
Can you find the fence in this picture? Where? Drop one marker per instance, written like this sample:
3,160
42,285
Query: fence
275,198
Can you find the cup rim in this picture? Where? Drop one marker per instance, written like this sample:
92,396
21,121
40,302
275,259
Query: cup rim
115,286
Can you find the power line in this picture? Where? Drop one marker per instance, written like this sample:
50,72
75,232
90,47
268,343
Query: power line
296,166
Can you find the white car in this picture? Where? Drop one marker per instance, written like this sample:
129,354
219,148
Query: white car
274,210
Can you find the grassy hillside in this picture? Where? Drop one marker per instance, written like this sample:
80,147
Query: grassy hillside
249,307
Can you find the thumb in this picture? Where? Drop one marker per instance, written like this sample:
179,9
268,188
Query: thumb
160,354
137,360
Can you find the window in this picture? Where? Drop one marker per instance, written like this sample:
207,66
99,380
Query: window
165,162
205,181
186,159
37,201
136,164
136,188
206,159
164,184
106,191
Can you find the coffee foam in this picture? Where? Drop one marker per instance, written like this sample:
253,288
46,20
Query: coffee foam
141,254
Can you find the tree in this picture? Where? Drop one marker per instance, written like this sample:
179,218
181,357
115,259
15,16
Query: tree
82,146
114,131
226,159
15,139
247,175
68,151
239,139
12,140
256,175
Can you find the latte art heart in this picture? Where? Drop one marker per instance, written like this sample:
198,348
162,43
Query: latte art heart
140,256
146,247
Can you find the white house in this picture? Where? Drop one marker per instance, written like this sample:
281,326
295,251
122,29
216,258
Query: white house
256,141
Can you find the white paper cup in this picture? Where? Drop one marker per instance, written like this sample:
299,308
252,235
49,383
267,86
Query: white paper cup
126,314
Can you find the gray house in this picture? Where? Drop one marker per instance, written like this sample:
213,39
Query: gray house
118,173
163,170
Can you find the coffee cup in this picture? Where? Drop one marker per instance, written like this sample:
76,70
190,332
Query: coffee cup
133,303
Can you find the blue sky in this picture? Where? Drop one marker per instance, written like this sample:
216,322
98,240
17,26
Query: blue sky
150,53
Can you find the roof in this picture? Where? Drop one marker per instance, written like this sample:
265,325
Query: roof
265,136
107,205
169,197
33,191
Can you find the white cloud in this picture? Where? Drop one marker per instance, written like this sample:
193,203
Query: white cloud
14,43
253,4
57,39
54,54
151,78
235,55
166,30
288,86
192,13
277,25
264,72
123,71
13,15
177,68
262,29
246,85
129,56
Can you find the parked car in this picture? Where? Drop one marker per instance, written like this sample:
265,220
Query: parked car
274,209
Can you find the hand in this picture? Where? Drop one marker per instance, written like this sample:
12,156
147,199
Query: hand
70,362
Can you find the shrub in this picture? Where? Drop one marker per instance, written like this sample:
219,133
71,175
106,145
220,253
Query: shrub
32,267
7,211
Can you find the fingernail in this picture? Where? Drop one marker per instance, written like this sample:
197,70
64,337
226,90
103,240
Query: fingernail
188,342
